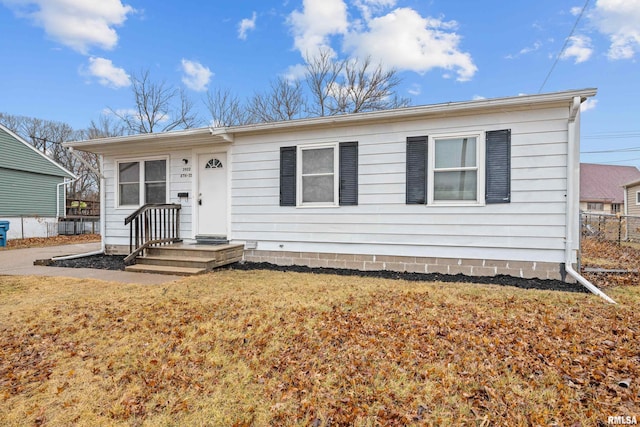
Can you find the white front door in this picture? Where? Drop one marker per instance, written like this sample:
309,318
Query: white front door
212,194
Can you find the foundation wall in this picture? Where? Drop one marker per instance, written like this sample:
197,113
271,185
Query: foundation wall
469,267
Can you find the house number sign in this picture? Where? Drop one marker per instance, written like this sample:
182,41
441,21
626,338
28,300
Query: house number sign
186,172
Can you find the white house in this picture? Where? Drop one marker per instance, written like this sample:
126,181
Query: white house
483,187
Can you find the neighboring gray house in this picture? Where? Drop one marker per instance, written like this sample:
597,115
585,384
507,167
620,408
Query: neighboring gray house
482,187
32,189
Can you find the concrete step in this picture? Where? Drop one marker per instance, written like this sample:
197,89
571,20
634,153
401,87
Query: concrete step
163,269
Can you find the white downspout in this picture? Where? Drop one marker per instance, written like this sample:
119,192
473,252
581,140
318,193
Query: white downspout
103,207
573,191
64,200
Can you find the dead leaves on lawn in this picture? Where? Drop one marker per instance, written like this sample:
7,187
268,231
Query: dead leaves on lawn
37,242
612,256
268,348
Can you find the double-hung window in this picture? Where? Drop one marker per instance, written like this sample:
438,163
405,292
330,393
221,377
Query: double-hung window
142,181
455,169
460,169
317,170
319,175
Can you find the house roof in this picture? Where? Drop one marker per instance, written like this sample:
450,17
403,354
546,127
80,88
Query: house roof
604,183
208,136
32,160
633,183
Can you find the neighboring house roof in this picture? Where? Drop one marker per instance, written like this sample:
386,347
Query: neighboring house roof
207,136
604,183
18,154
632,183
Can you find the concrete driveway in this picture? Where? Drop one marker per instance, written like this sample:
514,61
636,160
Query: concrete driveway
19,262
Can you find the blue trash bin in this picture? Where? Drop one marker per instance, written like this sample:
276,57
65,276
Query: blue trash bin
4,227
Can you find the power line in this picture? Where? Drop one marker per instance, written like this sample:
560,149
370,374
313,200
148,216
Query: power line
564,46
615,150
618,161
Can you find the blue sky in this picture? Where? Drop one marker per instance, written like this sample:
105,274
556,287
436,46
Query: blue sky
68,60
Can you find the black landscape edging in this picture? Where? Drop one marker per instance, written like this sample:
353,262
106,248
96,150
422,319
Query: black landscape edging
503,280
116,262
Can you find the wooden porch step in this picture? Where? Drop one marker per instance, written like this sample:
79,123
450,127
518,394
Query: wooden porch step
187,259
164,269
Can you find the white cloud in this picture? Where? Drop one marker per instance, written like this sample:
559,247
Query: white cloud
579,48
620,21
415,90
589,104
246,25
536,46
478,97
575,11
296,72
78,24
108,74
525,50
316,23
405,40
196,76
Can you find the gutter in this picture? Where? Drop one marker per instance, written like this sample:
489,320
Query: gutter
573,189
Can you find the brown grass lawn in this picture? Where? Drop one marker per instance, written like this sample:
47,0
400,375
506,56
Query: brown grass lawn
609,255
269,348
38,242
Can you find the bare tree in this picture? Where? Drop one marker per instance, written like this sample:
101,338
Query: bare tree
226,109
321,75
106,127
368,88
350,86
283,101
159,107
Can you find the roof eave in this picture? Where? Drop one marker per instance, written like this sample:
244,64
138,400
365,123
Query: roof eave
226,134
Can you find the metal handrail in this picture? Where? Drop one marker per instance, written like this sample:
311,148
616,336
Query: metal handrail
152,224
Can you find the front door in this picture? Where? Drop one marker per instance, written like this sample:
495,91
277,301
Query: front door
212,194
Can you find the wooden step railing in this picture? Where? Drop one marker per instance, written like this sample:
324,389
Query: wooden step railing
152,224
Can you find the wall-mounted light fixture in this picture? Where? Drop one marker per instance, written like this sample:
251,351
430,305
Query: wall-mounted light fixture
186,161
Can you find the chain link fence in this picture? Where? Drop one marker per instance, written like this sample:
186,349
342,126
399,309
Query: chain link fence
618,228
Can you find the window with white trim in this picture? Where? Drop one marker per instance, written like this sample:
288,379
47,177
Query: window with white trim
317,175
454,171
459,169
142,180
637,197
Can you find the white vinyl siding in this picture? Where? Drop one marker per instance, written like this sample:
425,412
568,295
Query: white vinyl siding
177,181
529,228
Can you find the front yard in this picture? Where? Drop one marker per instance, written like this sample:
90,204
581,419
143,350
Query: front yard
272,348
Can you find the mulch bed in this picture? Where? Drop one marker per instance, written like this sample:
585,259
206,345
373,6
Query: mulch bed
114,262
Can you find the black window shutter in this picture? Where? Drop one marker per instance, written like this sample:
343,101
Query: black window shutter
287,176
416,170
498,171
348,173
